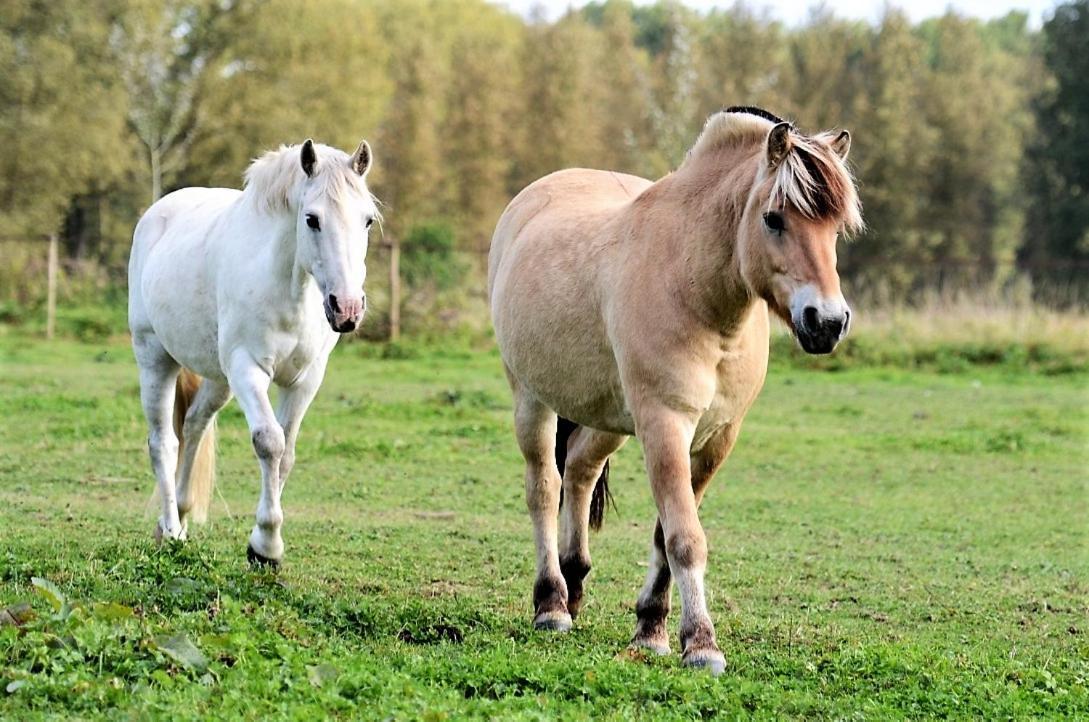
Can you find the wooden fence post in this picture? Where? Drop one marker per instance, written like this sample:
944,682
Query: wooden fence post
51,298
395,289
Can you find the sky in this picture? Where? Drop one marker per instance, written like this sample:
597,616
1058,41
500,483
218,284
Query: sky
794,11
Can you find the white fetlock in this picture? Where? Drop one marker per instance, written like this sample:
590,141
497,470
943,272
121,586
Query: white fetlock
163,532
266,545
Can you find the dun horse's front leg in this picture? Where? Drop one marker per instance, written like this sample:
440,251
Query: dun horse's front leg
666,438
250,384
652,607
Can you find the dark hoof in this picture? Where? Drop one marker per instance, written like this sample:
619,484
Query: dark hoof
709,659
553,621
260,561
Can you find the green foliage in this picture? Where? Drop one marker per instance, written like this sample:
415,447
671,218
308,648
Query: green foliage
883,544
428,257
967,134
1057,164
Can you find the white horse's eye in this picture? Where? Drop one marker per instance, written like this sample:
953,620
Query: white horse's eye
312,222
370,221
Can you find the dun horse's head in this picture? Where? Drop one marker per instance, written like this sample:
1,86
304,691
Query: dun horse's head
335,212
803,199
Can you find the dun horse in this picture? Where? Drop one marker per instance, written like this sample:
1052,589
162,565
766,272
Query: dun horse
245,289
640,308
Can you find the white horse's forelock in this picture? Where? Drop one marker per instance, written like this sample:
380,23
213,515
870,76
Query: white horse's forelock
274,179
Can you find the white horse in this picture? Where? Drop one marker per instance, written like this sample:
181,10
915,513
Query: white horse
245,289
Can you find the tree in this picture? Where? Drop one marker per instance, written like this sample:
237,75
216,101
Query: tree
478,130
976,104
62,121
560,116
317,70
891,152
167,53
1056,239
626,97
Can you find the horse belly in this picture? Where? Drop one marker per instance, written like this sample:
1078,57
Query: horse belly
566,363
180,306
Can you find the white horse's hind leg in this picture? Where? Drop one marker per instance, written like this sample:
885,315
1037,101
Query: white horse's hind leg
250,384
158,373
210,398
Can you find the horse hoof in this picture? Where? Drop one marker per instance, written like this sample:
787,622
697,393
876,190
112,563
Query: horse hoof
658,647
710,659
553,621
260,561
161,537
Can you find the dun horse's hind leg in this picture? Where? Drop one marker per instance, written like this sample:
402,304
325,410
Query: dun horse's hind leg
210,398
587,452
652,607
666,437
250,384
158,373
535,427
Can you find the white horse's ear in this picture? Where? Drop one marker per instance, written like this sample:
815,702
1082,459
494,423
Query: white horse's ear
842,145
361,159
778,144
308,157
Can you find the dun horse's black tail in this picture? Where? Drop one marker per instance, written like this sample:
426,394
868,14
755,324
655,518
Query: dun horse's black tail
602,495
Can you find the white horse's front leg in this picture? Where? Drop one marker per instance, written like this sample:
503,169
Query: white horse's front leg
250,384
294,401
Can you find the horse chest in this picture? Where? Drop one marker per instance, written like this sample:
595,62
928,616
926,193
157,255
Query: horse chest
739,376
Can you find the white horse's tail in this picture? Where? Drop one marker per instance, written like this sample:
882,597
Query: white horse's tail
202,479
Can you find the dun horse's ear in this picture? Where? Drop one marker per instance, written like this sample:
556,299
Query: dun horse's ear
361,159
308,157
778,144
842,145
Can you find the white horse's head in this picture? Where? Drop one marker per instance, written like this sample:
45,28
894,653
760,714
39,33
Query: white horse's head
325,190
335,215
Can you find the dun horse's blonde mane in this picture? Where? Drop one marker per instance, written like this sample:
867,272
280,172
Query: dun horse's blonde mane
274,178
811,177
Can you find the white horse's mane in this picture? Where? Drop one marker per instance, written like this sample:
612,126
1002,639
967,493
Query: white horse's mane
274,179
811,177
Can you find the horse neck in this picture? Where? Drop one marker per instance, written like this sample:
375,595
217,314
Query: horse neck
277,229
710,195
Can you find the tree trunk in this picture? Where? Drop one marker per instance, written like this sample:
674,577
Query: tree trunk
395,289
156,174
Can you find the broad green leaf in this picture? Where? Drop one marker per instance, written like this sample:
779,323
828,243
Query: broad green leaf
181,650
319,674
111,611
50,591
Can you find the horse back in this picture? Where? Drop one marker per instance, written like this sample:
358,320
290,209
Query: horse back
565,209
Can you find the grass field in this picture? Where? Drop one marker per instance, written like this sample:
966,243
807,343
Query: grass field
883,544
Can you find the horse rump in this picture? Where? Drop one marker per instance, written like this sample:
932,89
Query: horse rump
601,496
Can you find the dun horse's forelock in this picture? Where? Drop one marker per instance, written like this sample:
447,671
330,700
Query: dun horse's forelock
810,178
815,181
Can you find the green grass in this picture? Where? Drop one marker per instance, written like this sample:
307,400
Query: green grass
883,544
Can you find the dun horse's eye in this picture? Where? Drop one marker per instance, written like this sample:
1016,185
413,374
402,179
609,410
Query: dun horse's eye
774,222
312,222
